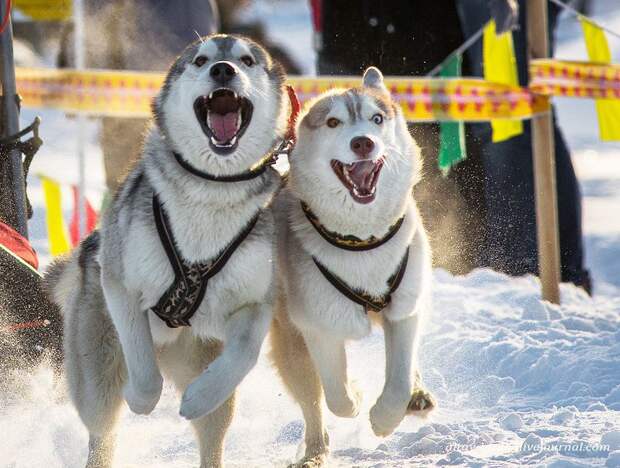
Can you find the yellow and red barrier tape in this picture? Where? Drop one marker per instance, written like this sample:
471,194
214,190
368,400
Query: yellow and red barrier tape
432,99
575,79
129,94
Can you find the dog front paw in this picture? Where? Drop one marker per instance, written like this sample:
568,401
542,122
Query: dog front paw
143,398
316,461
348,405
421,403
199,399
386,415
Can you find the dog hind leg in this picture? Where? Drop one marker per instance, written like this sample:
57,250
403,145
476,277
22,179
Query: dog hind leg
95,371
183,361
289,352
211,431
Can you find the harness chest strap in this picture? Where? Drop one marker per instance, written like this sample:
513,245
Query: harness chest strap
181,300
350,242
372,303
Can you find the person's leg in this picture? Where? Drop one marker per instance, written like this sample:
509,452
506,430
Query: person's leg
452,206
511,215
569,217
121,142
511,212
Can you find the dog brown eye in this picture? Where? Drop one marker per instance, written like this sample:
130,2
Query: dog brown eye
333,122
200,60
378,119
249,61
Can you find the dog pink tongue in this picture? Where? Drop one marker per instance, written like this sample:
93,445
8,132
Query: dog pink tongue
362,174
224,127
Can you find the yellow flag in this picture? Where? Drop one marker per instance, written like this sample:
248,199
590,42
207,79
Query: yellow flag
500,66
608,110
45,10
56,228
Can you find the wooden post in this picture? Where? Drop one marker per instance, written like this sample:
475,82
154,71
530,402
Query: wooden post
543,148
12,188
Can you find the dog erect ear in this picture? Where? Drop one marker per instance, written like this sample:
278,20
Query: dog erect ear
373,78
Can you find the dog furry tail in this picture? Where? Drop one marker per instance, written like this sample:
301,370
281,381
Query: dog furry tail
64,275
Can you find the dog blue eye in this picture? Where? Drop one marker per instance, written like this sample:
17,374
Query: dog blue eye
378,119
200,60
246,59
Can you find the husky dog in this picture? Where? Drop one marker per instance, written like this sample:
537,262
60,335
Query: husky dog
352,248
196,204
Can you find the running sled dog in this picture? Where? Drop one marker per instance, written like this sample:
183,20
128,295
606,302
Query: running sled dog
351,249
187,240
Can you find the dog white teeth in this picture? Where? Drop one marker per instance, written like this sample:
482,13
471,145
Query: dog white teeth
238,119
357,193
214,141
233,141
211,95
345,172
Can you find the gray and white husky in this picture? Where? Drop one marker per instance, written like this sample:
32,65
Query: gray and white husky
352,249
218,117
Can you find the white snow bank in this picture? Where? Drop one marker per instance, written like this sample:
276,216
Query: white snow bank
514,386
506,368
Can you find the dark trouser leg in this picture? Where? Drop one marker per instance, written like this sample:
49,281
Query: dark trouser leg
452,207
121,142
511,215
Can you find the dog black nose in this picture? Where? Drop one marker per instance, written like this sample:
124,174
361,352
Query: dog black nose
222,72
362,146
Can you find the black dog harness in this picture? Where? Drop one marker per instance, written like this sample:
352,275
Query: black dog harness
257,170
352,243
368,302
179,303
349,242
181,300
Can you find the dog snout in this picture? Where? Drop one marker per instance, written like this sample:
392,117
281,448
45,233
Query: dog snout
362,146
222,72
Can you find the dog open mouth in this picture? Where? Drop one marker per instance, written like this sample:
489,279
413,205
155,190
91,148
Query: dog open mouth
359,177
223,116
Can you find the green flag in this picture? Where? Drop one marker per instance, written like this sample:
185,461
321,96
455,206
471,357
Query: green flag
451,134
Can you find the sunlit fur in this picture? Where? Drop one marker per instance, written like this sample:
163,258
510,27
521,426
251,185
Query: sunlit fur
313,319
114,345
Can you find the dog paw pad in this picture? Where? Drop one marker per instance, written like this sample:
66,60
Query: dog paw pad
421,401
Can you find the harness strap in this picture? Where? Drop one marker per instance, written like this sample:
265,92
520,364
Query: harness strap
251,173
372,303
181,300
349,242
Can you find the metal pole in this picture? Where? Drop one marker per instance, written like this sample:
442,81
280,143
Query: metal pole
12,188
543,148
80,59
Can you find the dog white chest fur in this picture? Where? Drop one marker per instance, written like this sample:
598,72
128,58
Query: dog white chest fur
219,113
201,233
354,166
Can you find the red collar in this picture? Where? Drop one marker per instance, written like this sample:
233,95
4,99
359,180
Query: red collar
292,119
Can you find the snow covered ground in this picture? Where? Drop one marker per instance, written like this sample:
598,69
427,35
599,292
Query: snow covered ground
518,381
